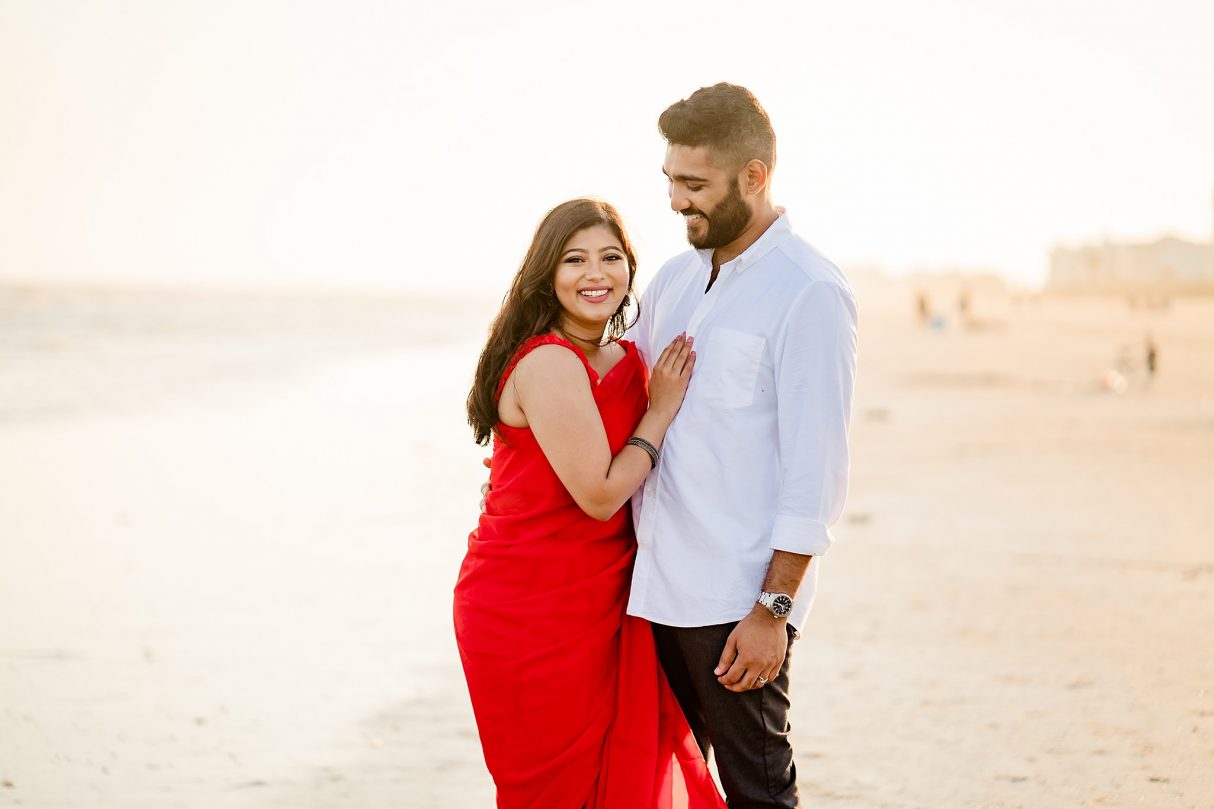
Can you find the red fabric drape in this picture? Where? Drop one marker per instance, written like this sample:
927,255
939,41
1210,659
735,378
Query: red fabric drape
570,701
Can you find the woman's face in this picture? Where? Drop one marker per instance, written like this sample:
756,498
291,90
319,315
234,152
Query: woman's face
591,279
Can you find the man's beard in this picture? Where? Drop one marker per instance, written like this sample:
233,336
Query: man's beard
725,222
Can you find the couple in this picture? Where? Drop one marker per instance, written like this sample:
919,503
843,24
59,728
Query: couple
607,652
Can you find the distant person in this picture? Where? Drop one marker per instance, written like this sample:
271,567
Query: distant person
924,307
570,701
1152,357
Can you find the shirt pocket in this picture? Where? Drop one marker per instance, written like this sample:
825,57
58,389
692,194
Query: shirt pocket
729,367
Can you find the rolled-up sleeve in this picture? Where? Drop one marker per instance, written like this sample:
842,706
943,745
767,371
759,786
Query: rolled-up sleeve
815,372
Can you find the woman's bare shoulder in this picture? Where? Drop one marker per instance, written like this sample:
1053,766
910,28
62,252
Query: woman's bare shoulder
551,365
547,376
550,362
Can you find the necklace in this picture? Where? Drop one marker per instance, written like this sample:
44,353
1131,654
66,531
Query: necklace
571,337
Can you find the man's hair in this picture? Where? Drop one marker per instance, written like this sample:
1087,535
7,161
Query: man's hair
728,119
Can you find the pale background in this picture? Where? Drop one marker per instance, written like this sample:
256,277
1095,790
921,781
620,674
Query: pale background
415,145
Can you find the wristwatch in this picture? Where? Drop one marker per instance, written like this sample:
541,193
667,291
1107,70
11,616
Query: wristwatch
780,604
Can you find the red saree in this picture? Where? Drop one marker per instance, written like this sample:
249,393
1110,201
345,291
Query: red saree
570,701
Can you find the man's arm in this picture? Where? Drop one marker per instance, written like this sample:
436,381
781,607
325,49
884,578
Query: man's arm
754,651
815,370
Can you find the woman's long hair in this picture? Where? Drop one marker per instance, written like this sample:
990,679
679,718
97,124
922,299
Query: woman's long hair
531,306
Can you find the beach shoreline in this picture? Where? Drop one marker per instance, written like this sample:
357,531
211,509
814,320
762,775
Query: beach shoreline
238,594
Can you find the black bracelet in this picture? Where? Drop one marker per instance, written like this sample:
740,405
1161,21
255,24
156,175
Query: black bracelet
645,445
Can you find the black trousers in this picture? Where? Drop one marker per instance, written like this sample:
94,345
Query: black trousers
747,732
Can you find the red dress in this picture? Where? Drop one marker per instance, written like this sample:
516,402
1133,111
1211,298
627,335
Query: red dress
570,700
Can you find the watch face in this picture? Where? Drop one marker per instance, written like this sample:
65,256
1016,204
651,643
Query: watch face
781,605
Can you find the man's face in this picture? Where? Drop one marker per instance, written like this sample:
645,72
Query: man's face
708,197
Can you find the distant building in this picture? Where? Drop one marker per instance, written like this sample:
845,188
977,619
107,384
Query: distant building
1165,265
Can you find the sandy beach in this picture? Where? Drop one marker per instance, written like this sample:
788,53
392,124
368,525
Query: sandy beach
228,552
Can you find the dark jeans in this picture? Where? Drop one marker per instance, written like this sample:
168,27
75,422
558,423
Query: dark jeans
747,731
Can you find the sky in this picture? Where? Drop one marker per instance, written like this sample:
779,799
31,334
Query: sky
378,145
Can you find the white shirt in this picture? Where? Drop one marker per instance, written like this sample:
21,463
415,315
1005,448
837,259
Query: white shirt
756,459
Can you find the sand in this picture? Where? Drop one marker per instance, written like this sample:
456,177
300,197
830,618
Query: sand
236,592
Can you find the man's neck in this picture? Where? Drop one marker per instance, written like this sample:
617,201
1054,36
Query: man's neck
759,223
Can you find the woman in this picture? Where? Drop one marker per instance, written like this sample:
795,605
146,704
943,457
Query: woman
570,701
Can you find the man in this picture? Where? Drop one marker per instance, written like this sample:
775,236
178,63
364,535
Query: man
754,469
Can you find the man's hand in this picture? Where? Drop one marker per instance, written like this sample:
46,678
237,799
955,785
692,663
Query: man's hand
754,651
488,462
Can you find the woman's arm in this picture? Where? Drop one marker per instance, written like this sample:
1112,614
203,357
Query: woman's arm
554,393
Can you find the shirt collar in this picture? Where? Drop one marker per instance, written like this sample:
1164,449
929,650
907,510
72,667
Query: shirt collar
775,233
